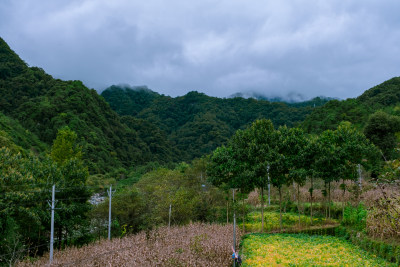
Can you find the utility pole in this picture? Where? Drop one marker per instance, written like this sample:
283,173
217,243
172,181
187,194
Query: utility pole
52,206
359,177
269,188
109,192
169,219
234,226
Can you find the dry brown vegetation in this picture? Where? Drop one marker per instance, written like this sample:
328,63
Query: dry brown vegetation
381,200
367,194
192,245
384,217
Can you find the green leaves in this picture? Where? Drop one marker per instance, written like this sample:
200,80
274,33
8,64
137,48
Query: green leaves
25,184
65,147
381,129
340,151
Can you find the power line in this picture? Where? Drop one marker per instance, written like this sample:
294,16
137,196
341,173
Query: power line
74,198
48,187
22,191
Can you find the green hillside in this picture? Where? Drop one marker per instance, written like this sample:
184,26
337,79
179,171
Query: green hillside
12,133
384,96
196,123
138,125
42,105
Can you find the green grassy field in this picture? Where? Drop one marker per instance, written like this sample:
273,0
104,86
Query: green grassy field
271,221
304,250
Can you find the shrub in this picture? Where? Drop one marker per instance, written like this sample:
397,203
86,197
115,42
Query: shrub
355,217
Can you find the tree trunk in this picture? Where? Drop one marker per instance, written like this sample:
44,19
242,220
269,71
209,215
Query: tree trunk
329,199
298,201
280,208
244,211
262,210
344,191
227,208
325,204
294,192
311,200
227,211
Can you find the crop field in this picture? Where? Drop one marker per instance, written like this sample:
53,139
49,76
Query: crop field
271,221
304,250
191,245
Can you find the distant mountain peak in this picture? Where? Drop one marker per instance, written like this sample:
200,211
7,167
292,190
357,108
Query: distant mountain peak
290,98
125,86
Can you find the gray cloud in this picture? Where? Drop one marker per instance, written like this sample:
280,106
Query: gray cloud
333,48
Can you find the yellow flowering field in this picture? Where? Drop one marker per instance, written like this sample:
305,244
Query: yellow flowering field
271,221
304,250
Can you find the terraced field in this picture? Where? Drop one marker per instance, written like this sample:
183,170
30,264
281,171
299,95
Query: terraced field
304,250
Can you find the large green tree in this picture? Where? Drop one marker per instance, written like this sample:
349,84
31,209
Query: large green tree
339,152
381,129
244,162
294,145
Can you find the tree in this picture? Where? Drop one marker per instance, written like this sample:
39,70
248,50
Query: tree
339,152
295,143
243,163
328,163
310,155
24,216
73,176
259,142
355,150
227,171
381,129
65,146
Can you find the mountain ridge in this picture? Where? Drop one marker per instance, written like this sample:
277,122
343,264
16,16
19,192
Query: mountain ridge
127,125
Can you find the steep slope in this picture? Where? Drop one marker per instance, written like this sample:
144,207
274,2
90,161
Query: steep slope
43,104
126,100
384,94
356,110
16,137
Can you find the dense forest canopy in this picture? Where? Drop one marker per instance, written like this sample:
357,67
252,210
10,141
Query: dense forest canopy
33,100
385,96
130,126
196,123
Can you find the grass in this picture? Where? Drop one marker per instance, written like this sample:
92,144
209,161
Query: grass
271,221
304,250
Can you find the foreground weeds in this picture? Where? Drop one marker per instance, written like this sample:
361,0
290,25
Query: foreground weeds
304,250
191,245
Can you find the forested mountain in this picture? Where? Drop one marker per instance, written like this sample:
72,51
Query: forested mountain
291,98
196,123
385,96
138,125
42,105
12,133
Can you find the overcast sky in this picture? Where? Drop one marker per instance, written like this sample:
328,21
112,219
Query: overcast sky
336,48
